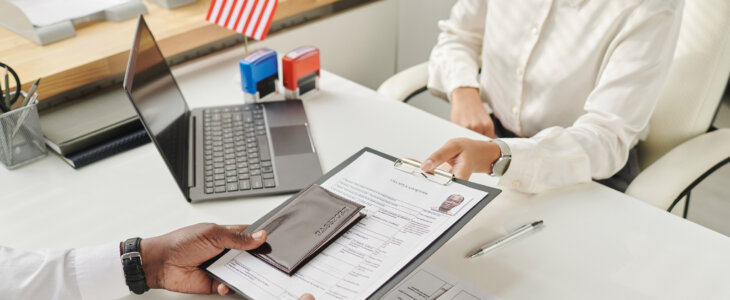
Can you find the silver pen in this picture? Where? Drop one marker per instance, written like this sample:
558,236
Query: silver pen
503,240
30,100
31,92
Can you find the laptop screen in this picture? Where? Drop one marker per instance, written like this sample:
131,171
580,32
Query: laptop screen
159,102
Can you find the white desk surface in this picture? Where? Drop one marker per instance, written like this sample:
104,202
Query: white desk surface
596,243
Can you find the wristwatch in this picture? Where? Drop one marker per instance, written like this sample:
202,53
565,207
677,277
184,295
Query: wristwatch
132,265
499,167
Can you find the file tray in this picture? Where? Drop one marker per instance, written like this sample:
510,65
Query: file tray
14,19
170,4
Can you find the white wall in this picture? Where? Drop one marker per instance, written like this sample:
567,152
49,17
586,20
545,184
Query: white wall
358,44
418,30
370,43
417,34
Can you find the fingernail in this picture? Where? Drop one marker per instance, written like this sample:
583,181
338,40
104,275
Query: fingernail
258,235
427,165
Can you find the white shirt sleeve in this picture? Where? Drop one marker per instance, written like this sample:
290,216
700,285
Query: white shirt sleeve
84,273
616,111
455,59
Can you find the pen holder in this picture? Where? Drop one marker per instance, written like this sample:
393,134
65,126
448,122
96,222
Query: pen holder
21,138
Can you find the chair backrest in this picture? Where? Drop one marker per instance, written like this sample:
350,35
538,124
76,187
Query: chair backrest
696,80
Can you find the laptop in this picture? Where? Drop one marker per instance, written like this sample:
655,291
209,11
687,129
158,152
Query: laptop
219,152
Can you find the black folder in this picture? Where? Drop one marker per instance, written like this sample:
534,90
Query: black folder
416,261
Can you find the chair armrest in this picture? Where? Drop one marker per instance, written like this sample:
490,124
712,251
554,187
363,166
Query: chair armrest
405,83
665,180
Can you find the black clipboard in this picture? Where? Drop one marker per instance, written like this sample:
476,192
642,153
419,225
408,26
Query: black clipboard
416,261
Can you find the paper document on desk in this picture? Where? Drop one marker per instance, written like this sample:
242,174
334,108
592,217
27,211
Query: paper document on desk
429,282
402,220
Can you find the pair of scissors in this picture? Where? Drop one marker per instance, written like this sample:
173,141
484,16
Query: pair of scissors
5,104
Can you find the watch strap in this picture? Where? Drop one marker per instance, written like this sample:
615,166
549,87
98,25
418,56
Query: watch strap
499,167
503,148
132,265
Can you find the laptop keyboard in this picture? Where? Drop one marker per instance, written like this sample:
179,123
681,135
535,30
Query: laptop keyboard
236,149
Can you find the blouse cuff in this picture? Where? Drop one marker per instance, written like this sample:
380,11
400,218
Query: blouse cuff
520,174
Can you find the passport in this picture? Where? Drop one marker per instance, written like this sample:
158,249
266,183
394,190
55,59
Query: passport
305,226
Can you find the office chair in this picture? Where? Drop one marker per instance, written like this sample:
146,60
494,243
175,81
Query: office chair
682,148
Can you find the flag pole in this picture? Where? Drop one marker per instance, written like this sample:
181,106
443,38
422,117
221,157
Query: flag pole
245,43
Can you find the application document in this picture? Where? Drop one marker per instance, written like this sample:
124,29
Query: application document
429,282
405,213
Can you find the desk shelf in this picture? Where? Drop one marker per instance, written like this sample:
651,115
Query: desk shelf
99,50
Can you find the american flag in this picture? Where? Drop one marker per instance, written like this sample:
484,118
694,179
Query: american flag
249,17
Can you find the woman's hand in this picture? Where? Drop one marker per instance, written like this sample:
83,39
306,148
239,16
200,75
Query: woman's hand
468,111
464,157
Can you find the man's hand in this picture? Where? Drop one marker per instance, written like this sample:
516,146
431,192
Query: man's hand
464,157
468,111
171,261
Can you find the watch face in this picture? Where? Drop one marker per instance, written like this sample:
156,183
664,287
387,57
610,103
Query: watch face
500,167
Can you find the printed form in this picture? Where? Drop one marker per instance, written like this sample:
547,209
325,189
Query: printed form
405,213
429,282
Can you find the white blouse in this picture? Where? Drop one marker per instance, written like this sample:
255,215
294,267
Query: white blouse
580,78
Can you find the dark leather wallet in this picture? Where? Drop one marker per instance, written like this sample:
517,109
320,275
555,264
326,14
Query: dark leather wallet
305,226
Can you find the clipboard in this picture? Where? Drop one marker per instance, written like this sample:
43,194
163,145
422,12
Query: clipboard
405,165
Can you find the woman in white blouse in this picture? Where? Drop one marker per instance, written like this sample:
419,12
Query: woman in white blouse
572,85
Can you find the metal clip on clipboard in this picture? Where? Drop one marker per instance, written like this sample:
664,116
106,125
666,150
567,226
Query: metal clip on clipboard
413,167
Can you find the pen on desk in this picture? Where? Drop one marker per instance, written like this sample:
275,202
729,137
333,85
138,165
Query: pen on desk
503,240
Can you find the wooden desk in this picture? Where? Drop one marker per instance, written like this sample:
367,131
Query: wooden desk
100,49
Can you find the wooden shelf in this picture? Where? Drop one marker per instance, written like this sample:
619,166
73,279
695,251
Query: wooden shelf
100,49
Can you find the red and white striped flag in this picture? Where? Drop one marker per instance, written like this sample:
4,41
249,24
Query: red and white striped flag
249,17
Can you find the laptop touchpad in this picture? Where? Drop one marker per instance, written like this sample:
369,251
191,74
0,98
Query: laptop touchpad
289,140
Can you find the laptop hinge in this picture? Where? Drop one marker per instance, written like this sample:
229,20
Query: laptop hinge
191,153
